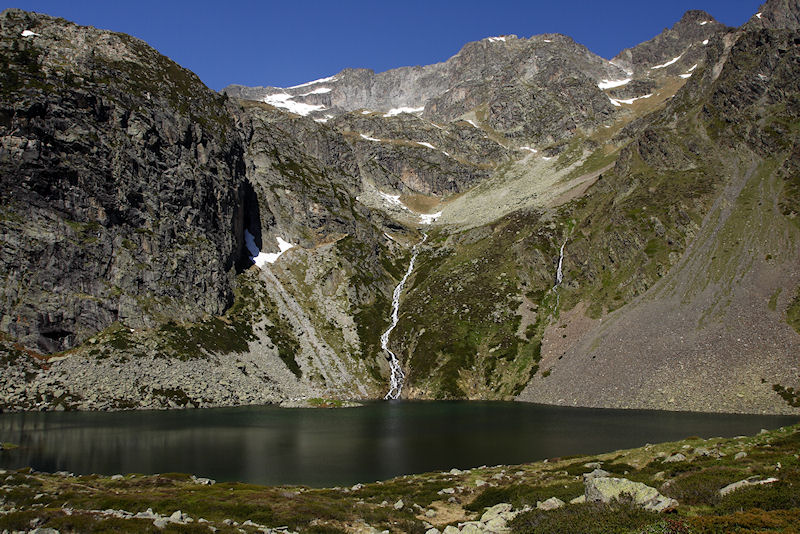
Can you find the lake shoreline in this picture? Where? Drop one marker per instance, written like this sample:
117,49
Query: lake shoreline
550,493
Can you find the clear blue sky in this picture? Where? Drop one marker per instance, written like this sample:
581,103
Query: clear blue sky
288,42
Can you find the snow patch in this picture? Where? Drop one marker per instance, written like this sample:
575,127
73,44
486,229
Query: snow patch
529,149
705,42
687,75
668,63
28,33
398,111
370,139
320,91
497,39
758,15
284,100
609,84
704,22
392,199
473,123
548,41
619,101
546,158
366,111
324,119
321,80
427,145
693,67
429,218
262,258
760,77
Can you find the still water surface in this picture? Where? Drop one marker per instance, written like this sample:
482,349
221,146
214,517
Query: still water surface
318,447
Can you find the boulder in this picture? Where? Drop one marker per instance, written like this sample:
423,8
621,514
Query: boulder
751,481
677,457
472,528
580,499
550,504
596,473
739,455
495,511
450,529
399,504
607,489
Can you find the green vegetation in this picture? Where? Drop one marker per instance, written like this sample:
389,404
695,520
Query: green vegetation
464,297
589,518
789,394
521,495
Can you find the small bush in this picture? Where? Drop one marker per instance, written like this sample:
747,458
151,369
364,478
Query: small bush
781,495
520,495
702,487
589,518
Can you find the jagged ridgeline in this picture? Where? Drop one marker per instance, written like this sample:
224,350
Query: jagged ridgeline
662,185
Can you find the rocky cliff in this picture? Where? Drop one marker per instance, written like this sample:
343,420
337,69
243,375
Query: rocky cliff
122,179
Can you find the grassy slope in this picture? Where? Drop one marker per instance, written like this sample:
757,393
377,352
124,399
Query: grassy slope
694,483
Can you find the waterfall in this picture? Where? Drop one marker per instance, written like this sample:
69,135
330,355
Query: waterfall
397,375
559,272
559,275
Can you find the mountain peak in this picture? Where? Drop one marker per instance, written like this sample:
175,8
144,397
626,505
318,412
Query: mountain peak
689,34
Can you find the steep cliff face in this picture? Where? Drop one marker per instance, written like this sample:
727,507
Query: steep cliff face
776,15
122,185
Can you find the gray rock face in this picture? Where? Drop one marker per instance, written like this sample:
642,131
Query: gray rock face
776,15
498,78
685,39
121,178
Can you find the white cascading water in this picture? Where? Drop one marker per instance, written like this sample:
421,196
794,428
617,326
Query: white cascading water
396,377
559,272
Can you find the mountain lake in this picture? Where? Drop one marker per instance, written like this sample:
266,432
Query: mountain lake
336,447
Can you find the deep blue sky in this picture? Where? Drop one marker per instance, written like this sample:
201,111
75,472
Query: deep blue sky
288,42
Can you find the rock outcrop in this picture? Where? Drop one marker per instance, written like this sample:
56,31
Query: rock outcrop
122,181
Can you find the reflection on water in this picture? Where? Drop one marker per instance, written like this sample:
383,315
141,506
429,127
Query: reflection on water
271,445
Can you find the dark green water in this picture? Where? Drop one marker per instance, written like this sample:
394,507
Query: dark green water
270,445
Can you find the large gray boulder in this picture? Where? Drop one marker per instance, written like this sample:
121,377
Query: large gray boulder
608,489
